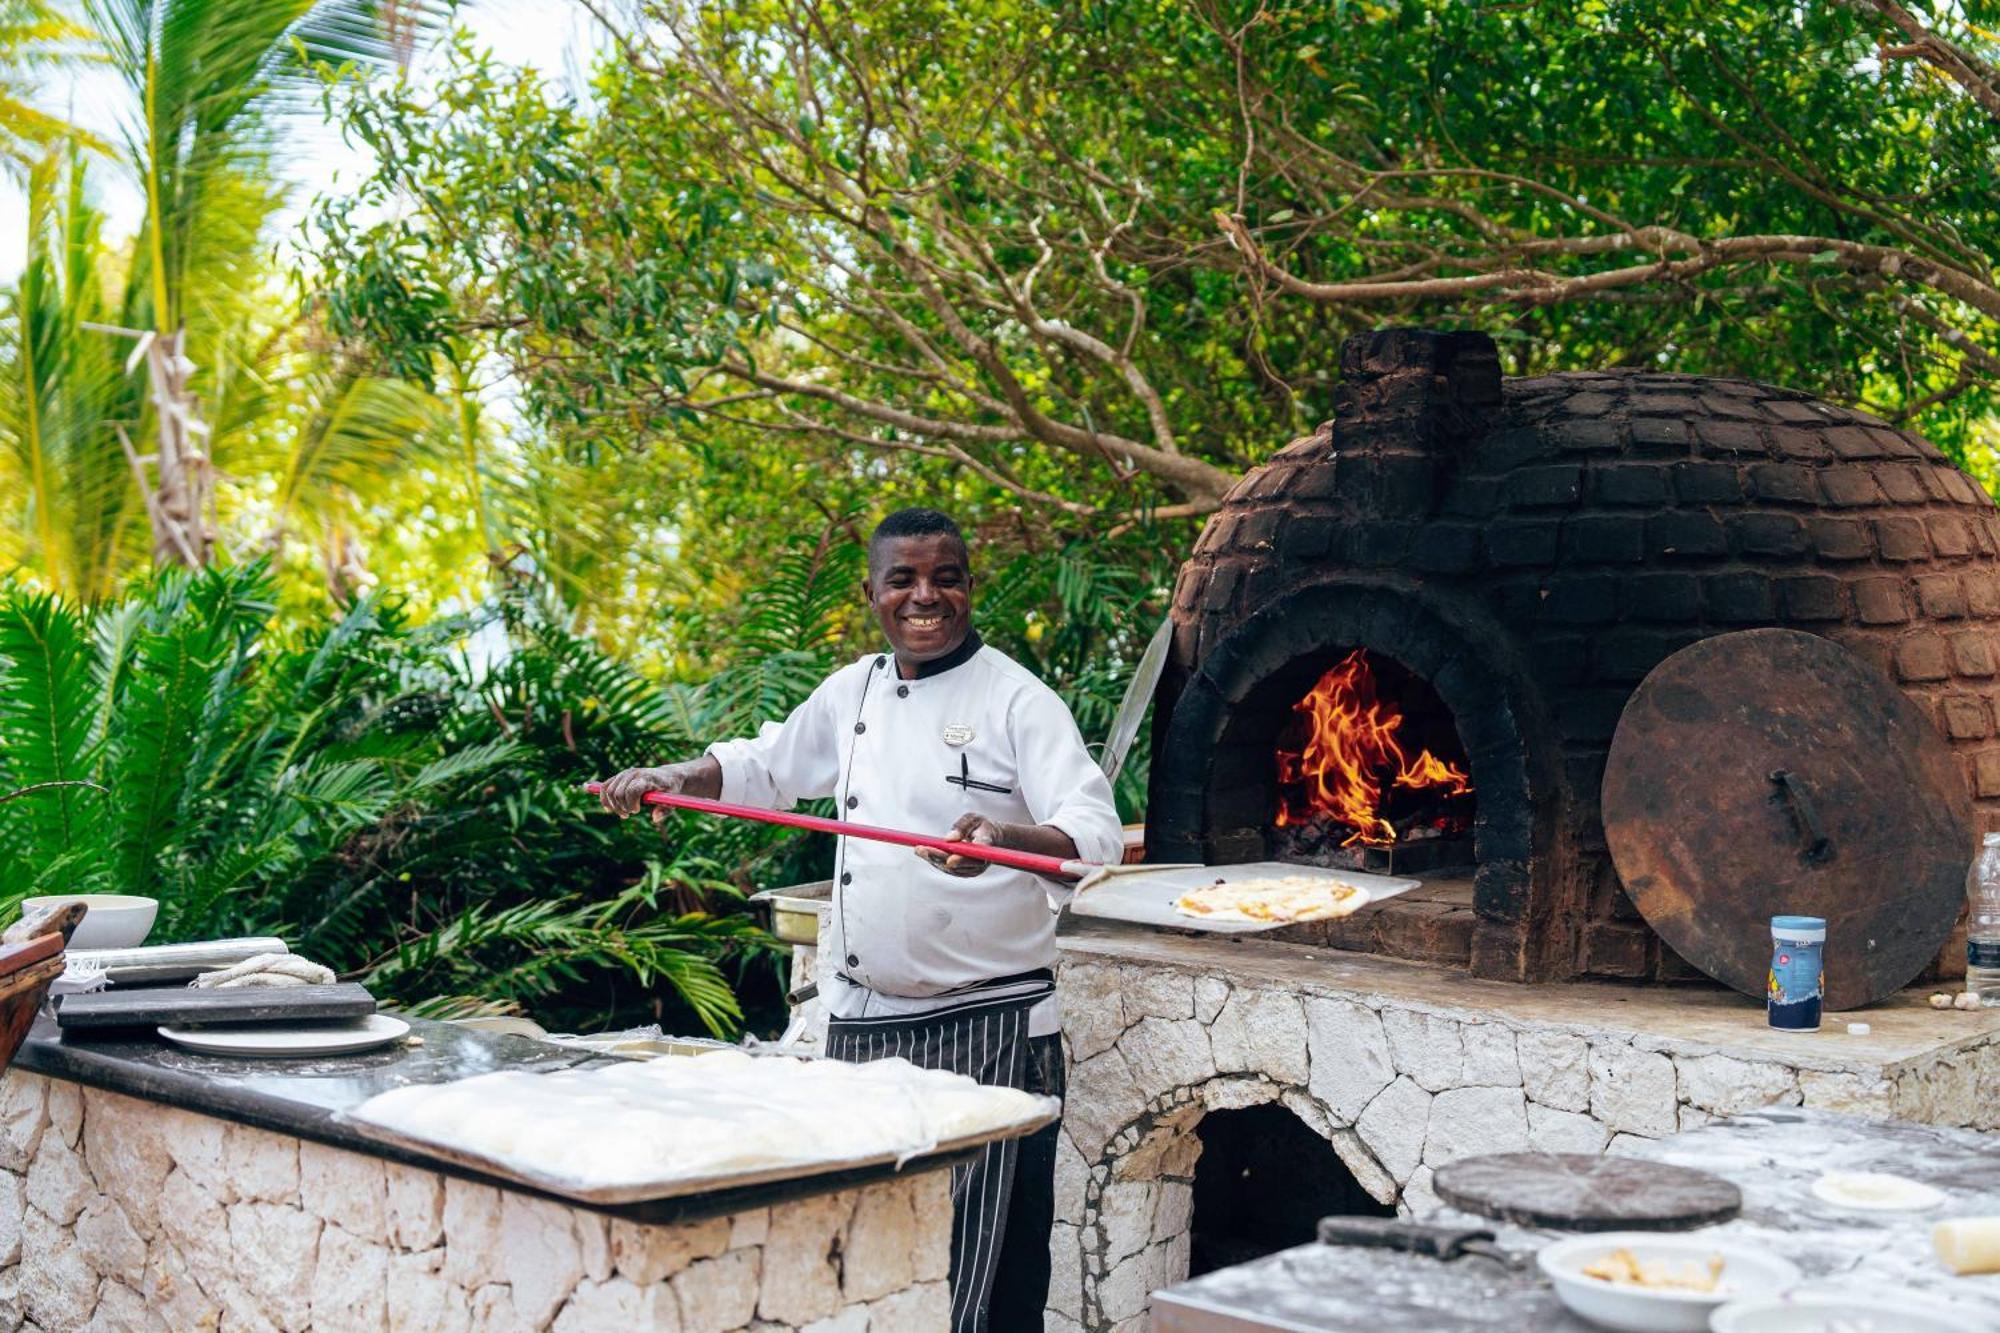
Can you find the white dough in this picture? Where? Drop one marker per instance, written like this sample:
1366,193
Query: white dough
1968,1244
1876,1191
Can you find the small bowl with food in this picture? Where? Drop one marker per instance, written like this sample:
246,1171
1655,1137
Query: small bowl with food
1836,1311
1646,1282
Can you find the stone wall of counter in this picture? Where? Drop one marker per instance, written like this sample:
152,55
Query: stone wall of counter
1398,1087
120,1214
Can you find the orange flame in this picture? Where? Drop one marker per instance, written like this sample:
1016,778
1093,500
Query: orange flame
1351,746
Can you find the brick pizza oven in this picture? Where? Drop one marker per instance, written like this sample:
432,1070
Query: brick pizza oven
1513,557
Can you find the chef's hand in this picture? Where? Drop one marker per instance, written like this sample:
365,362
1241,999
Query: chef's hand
625,793
969,828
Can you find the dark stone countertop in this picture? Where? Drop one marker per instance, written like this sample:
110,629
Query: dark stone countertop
1772,1155
304,1097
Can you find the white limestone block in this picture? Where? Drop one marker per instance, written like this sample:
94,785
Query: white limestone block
171,1291
421,1301
66,1109
1261,1032
539,1251
1466,1122
1419,1199
922,1309
1233,1094
1066,1271
349,1189
1072,1177
1210,993
854,1319
598,1307
277,1249
1394,1126
932,1195
123,1310
1425,1047
1103,1099
1624,1145
1550,1130
1491,1059
799,1283
878,1255
1122,1292
1093,1012
1693,1118
10,1298
1053,1322
493,1311
13,1215
261,1165
1724,1085
720,1294
108,1242
126,1153
1350,1055
648,1254
350,1286
195,1144
1555,1069
748,1229
471,1234
1173,1209
414,1199
1125,1217
24,1114
1941,1091
196,1224
1152,992
1164,1055
57,1182
1856,1093
58,1290
1632,1091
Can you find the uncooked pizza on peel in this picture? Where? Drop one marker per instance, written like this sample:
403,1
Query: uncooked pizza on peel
1283,898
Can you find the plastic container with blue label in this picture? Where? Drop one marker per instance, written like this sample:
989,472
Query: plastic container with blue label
1797,975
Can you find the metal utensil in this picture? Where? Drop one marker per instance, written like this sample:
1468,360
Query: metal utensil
1138,698
1387,1233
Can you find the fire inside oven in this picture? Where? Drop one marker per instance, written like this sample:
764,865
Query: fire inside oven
1371,773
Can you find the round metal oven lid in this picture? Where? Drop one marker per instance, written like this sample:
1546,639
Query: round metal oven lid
1769,772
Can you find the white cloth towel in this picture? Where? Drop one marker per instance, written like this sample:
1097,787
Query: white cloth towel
267,969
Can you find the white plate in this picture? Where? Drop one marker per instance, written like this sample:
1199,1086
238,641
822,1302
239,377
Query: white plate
1146,894
274,1042
1849,1312
1873,1191
1746,1272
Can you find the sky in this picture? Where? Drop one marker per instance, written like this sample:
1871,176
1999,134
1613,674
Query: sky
554,36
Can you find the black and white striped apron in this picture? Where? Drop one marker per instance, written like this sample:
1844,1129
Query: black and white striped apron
987,1040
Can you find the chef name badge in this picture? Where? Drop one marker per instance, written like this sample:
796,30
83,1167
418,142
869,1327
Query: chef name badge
958,734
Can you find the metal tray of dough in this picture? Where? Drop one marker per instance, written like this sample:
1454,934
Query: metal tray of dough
1145,894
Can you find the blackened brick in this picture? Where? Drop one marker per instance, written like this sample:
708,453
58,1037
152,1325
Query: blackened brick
1795,410
1902,483
1842,539
1949,537
1965,717
1615,949
1986,773
1626,655
1685,534
1591,715
1258,529
1772,536
1588,404
1662,597
1629,484
1594,434
1447,548
1538,487
1783,483
1311,536
1503,451
1406,484
1971,655
1221,587
1665,436
1268,481
1603,539
1582,601
1922,657
1801,442
1728,437
1982,595
1472,497
1965,490
1321,481
1739,599
1729,406
1901,539
1522,542
1810,597
1560,661
1852,442
1941,596
1881,601
1847,486
1380,543
1707,483
1933,479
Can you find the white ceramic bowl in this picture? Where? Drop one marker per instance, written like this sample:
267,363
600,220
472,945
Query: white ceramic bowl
1818,1312
113,921
1746,1272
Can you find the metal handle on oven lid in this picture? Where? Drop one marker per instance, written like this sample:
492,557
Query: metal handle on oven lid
1814,845
1437,1242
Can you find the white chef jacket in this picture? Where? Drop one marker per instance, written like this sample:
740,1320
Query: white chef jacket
975,732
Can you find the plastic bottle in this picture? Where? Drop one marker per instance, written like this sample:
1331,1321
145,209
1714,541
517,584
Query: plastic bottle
1982,925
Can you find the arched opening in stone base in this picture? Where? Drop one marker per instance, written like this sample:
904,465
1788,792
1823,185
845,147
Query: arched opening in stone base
1262,1181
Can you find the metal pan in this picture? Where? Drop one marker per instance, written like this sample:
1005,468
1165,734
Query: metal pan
1145,894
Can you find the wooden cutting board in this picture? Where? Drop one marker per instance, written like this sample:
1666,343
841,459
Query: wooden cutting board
1577,1192
152,1006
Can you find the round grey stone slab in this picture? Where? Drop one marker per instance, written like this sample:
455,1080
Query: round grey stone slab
1579,1193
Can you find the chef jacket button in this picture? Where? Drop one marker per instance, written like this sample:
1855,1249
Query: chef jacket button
860,727
853,801
847,877
902,691
854,960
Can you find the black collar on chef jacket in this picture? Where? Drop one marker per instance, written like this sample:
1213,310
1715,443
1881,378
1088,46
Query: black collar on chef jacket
937,666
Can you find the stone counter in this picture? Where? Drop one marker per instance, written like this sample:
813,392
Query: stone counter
261,1210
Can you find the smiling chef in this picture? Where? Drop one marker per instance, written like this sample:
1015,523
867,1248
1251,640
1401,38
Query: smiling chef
944,960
